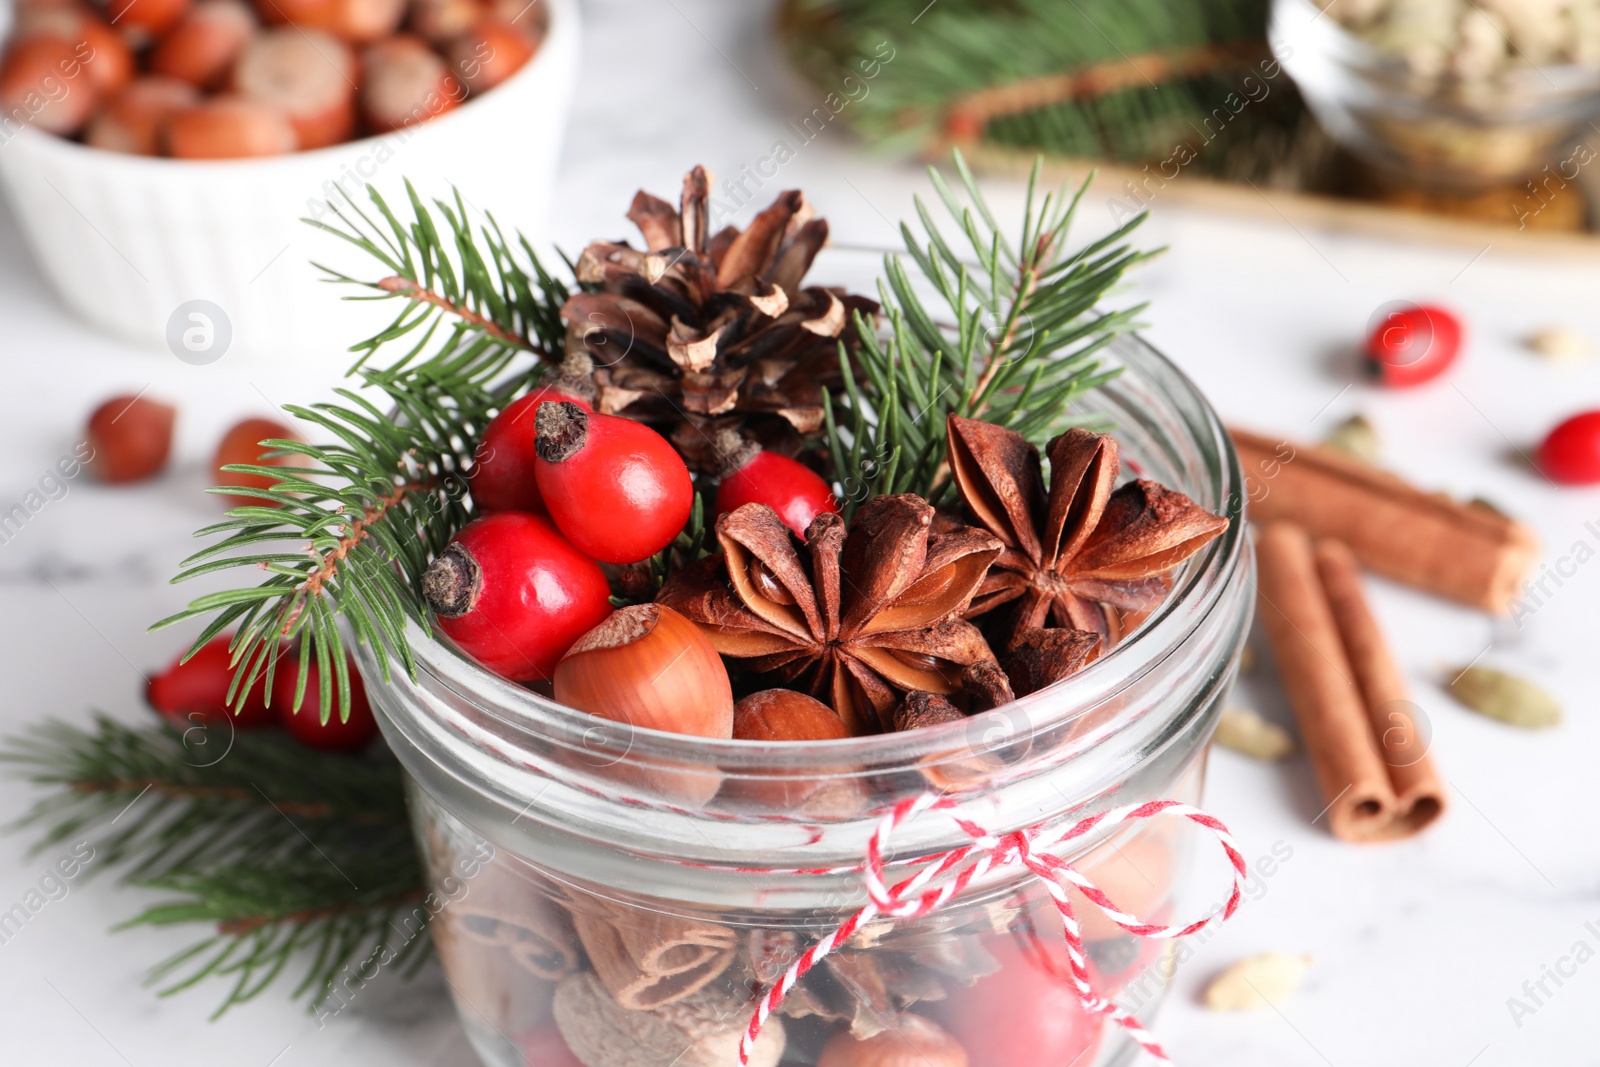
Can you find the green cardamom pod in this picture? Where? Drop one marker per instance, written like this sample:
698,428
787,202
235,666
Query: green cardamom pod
1506,697
1356,438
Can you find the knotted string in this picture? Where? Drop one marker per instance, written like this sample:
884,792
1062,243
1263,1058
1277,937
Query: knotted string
945,876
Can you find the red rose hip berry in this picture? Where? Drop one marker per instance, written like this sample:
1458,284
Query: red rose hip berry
752,475
197,689
1571,454
305,723
515,595
1412,345
613,486
502,476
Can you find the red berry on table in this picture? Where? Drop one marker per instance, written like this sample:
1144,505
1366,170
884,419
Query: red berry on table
198,687
502,468
305,725
1413,344
129,438
613,486
515,595
752,475
1571,454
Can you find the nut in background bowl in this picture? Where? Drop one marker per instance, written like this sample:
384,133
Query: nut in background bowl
1450,135
126,241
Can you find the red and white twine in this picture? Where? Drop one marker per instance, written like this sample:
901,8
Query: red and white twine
945,876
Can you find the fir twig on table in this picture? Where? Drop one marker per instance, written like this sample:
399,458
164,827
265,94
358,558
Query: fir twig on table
283,851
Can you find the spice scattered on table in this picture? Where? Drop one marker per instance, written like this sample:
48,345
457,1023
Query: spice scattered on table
1560,344
1257,982
1247,733
1507,697
1357,438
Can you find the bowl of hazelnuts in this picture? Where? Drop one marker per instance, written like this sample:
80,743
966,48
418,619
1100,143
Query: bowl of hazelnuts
163,155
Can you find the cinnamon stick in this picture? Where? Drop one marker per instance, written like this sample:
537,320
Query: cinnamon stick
1468,553
1403,746
1343,686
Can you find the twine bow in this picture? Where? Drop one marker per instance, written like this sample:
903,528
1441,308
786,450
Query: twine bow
945,876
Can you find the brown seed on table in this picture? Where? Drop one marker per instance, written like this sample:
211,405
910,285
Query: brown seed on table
105,56
242,444
205,43
406,83
488,53
309,75
915,1041
44,79
130,437
132,120
229,127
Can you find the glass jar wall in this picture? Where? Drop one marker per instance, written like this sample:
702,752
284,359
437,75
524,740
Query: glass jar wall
607,897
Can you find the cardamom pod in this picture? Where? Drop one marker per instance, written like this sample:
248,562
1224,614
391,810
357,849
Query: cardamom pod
1559,343
1499,695
1356,438
1249,734
1256,982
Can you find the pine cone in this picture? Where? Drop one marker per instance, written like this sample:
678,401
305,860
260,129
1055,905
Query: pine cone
698,334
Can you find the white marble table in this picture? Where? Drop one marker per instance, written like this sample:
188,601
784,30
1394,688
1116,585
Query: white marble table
1418,945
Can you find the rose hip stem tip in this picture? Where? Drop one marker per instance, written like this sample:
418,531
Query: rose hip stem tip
561,427
452,582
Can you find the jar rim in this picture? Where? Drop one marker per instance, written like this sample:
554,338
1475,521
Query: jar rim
1202,584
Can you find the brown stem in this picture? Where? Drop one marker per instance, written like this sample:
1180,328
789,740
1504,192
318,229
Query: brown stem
1030,271
245,924
967,116
357,531
406,287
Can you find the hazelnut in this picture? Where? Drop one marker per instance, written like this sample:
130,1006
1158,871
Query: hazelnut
130,437
205,43
783,715
488,53
229,127
702,1030
242,444
915,1042
132,120
43,77
406,83
307,74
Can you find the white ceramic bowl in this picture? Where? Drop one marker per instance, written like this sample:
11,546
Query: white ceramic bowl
128,240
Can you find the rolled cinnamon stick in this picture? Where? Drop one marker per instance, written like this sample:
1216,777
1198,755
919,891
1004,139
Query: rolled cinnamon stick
1402,741
1463,552
1331,680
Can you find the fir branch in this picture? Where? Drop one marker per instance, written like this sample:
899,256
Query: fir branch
1013,340
345,538
286,852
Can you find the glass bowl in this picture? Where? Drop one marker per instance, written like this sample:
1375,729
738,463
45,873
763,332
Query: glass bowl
1432,129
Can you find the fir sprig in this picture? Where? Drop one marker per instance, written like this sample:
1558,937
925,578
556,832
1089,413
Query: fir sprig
345,537
285,852
1012,340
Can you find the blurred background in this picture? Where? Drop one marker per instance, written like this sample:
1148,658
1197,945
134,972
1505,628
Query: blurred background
1304,168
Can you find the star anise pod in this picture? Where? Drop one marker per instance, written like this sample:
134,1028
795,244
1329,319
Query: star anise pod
695,334
856,617
1080,553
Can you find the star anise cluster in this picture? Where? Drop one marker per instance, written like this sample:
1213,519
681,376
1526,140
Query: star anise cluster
855,617
701,332
1082,557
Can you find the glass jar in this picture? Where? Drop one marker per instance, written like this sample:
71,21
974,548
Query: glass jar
1442,132
588,900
